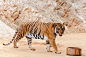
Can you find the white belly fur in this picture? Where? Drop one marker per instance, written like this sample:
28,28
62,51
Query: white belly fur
31,36
28,35
45,38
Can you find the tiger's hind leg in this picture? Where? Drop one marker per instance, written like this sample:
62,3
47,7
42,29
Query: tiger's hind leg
30,43
15,44
16,40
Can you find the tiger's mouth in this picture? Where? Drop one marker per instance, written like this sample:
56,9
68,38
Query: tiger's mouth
60,34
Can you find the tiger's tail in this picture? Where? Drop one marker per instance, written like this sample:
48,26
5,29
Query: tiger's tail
11,40
8,43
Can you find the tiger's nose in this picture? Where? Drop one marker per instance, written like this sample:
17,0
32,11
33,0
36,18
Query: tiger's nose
57,32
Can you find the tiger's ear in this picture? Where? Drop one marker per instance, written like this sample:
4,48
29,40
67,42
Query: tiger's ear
64,23
54,25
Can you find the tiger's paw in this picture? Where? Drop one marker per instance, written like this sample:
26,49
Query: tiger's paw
33,49
49,51
58,52
15,47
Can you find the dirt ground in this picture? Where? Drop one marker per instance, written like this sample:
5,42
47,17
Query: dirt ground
67,40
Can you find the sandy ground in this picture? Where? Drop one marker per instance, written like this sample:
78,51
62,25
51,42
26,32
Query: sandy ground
67,40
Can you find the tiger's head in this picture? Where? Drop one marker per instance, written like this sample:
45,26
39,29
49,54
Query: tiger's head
59,28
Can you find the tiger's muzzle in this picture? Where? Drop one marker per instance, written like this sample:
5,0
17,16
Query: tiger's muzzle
60,34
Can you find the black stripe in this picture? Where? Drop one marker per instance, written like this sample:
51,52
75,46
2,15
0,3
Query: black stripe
42,37
36,36
32,28
10,41
30,42
39,31
19,38
14,37
30,34
23,33
47,43
17,29
16,40
28,27
29,38
35,30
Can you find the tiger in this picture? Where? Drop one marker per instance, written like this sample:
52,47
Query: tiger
39,30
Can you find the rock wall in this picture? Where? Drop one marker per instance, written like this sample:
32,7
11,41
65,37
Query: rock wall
72,12
5,31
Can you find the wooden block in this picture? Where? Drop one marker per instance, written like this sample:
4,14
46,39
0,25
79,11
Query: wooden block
73,51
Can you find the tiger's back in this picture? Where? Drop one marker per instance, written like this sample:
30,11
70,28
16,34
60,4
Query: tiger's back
33,28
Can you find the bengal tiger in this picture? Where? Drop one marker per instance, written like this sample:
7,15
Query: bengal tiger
39,30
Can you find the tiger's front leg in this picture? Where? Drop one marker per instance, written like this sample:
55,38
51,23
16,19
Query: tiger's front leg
48,46
30,43
52,42
54,46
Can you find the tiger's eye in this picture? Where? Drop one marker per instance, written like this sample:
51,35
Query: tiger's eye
58,28
63,28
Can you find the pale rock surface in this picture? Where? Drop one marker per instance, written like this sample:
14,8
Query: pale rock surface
72,12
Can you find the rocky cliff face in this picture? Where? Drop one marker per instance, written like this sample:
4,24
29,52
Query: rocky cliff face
72,12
